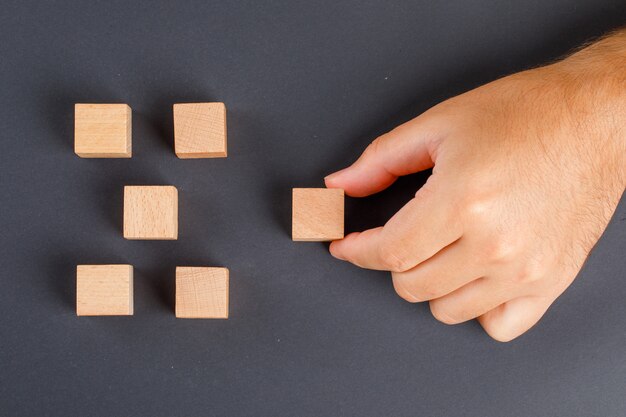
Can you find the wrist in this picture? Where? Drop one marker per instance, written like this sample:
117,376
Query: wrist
594,82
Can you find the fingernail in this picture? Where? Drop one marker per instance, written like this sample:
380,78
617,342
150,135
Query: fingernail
334,175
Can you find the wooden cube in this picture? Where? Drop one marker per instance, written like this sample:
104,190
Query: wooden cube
104,290
200,130
151,212
201,292
102,131
317,214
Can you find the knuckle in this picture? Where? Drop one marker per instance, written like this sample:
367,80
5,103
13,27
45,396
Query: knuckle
375,146
497,242
441,314
477,209
393,258
530,272
418,291
400,288
500,249
425,289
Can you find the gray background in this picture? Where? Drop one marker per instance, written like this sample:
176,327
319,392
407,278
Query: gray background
308,85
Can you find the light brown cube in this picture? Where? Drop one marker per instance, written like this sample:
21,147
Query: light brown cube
200,130
104,290
150,212
201,292
317,214
102,130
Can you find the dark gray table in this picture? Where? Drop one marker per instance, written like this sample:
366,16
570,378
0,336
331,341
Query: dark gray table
307,84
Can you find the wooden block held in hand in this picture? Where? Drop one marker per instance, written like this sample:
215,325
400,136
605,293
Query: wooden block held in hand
150,212
201,292
200,130
102,131
104,290
317,214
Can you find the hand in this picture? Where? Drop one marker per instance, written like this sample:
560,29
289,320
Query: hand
527,171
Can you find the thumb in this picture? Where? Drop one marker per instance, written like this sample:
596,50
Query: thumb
407,149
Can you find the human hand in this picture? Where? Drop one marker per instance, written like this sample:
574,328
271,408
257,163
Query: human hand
527,172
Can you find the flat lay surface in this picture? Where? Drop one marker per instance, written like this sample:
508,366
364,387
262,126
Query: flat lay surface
307,85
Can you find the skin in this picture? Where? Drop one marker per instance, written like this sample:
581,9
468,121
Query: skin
526,174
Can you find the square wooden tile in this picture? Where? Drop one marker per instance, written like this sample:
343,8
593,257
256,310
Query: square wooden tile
201,292
104,290
200,130
103,130
318,214
151,212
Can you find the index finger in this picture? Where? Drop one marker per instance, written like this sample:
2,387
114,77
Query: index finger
423,227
